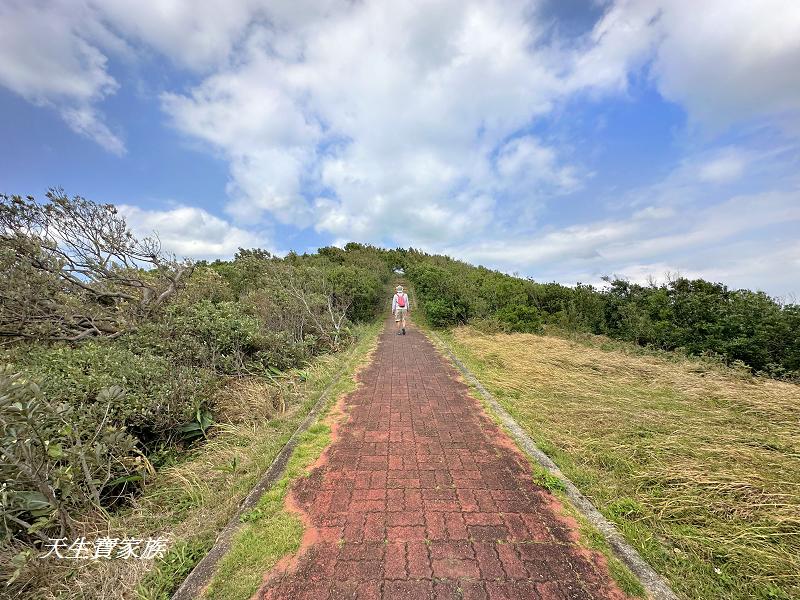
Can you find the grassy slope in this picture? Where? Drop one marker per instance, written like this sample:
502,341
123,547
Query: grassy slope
697,466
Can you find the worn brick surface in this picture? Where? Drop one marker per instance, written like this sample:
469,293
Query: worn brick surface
421,496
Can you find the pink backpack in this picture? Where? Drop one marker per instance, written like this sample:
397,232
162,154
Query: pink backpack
401,301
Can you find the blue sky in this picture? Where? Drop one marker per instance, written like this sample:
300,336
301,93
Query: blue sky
558,140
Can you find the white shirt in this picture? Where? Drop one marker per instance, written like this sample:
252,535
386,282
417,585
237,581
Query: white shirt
394,301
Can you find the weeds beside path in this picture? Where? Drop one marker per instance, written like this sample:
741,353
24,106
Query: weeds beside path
270,531
191,501
697,466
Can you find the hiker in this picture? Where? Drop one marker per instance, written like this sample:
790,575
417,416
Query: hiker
400,309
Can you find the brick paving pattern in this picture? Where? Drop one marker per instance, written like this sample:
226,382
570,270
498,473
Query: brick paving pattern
421,495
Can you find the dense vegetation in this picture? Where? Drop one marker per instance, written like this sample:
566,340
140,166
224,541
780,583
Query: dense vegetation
696,316
115,352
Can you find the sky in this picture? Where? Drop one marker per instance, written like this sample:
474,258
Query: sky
562,140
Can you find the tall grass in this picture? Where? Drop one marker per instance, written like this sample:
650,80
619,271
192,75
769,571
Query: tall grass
697,464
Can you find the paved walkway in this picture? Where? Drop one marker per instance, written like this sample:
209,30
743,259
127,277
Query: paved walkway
420,495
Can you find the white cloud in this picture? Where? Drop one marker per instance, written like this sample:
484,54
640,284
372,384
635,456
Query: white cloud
85,121
529,162
452,78
698,179
188,231
730,60
40,60
56,53
620,43
252,114
46,60
725,61
196,35
727,166
388,114
729,241
364,109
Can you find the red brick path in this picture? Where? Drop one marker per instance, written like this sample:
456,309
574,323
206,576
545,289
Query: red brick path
420,495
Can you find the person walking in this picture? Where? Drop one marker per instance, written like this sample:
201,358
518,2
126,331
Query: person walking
400,309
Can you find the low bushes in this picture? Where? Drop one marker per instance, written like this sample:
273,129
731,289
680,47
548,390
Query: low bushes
158,394
114,368
219,335
697,316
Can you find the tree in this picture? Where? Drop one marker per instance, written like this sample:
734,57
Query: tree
73,270
324,296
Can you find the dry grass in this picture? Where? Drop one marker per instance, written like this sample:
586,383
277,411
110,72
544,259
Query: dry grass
698,465
251,399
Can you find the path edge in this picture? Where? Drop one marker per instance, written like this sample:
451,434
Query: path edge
192,587
656,586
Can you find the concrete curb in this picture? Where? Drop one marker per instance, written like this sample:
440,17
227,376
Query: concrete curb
655,586
192,587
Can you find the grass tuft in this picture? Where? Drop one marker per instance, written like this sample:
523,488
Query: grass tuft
550,482
159,582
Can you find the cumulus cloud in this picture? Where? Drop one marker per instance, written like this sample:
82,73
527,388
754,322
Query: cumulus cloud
367,122
56,53
252,114
387,77
724,61
348,117
191,232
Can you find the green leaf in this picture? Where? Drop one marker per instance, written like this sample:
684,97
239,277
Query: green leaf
32,501
55,451
125,479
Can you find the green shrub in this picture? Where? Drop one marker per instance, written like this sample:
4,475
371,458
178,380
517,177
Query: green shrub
281,351
59,460
696,315
224,335
440,312
205,283
520,319
159,395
